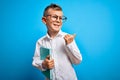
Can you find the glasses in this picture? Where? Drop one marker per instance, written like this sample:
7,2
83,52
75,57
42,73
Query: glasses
55,18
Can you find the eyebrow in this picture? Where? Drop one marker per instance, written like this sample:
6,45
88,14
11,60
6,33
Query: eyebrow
55,15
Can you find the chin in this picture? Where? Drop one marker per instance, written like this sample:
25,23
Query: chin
56,30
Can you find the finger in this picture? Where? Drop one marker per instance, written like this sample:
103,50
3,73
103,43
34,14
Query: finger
50,66
74,35
67,35
47,60
48,57
51,62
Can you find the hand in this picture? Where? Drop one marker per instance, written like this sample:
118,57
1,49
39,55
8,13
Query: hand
69,38
47,63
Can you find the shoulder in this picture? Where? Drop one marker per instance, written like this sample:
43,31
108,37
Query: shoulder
40,40
63,33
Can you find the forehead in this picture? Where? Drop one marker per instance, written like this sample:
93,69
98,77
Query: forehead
54,12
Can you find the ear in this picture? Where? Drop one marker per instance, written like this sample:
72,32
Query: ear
44,20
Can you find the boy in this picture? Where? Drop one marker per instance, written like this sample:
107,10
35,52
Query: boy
64,49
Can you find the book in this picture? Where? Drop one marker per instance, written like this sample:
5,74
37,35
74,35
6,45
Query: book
44,52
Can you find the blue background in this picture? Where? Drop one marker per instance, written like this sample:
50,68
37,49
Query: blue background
96,23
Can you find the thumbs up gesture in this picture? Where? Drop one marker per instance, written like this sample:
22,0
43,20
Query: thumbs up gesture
69,38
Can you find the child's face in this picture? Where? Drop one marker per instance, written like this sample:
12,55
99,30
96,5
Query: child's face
53,20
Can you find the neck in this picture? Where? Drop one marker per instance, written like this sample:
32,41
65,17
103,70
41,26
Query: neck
52,34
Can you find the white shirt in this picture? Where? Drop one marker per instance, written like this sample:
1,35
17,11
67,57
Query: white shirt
64,56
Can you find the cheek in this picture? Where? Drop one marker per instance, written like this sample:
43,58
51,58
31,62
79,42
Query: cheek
49,23
60,24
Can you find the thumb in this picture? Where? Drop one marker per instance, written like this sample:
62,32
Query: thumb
74,35
48,57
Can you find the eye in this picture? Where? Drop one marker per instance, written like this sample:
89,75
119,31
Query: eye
55,17
60,18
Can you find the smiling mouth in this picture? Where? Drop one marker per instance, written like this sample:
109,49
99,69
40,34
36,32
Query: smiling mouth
56,25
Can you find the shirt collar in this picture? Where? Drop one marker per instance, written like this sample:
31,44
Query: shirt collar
60,34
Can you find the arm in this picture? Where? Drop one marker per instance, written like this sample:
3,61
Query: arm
36,59
72,49
41,64
73,53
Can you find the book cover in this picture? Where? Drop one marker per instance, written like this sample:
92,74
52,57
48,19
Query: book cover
44,52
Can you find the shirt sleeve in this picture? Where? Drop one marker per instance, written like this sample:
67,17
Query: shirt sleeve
36,59
73,53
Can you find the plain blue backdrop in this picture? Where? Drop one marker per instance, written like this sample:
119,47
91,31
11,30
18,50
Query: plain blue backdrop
96,23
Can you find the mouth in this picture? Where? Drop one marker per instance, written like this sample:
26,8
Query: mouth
56,25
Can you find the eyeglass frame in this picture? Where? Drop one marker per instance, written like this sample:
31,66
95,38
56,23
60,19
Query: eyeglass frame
55,17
